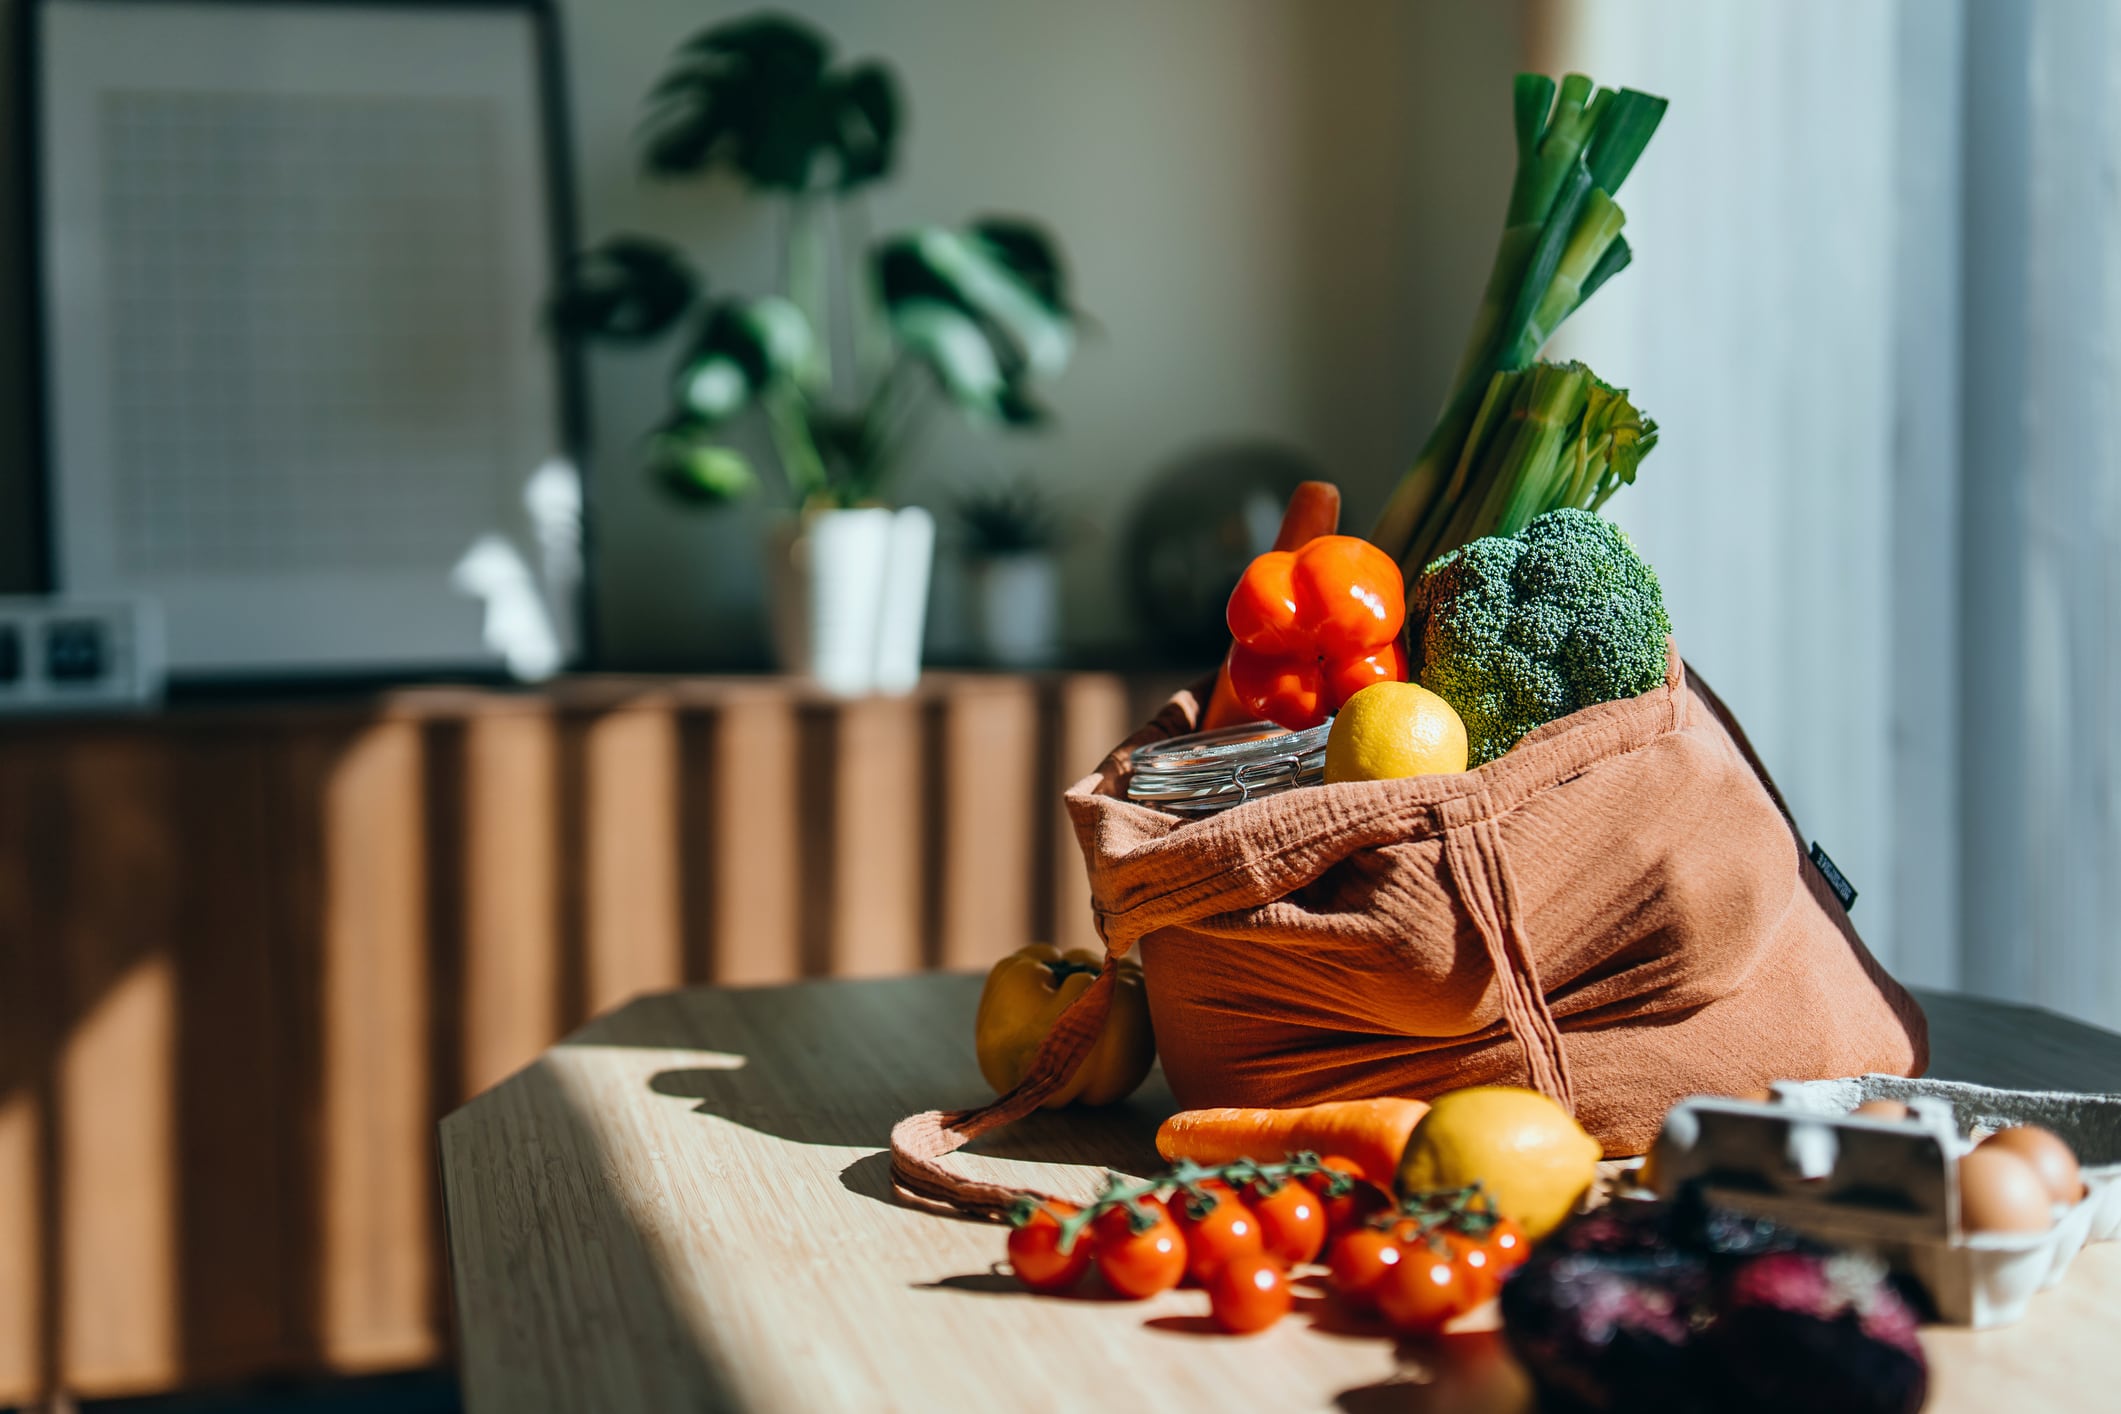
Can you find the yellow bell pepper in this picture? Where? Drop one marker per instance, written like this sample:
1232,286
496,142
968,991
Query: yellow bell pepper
1026,993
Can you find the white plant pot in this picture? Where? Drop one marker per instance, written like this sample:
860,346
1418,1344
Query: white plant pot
1016,606
850,597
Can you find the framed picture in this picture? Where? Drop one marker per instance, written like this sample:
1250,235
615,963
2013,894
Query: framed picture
290,257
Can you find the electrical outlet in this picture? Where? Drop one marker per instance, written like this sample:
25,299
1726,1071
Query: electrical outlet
68,655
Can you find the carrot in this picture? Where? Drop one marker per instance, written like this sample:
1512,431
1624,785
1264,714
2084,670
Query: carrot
1313,510
1373,1133
1224,710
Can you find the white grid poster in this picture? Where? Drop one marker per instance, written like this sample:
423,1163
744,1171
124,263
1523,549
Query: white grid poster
293,259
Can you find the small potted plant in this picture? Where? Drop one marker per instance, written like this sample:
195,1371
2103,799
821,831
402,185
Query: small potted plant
1012,536
847,359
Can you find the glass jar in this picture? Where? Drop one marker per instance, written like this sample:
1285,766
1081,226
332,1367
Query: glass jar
1210,771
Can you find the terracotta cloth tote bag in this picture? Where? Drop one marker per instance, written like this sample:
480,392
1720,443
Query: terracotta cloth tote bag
1618,913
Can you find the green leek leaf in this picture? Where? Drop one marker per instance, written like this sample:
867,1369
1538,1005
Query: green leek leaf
1628,125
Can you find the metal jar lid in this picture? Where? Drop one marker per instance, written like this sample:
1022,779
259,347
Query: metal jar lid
1210,771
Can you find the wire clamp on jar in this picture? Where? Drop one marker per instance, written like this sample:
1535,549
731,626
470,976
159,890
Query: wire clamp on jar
1205,772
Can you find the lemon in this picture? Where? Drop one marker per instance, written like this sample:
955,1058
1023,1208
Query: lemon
1394,729
1530,1155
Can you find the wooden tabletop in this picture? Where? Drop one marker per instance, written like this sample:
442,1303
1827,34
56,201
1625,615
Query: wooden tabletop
686,1205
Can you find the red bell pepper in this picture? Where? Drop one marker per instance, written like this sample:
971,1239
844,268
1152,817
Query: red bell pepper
1313,510
1315,626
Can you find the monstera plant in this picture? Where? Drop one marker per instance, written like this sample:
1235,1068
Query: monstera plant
855,348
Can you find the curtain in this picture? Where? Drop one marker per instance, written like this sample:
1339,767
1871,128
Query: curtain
1877,279
2040,749
1756,325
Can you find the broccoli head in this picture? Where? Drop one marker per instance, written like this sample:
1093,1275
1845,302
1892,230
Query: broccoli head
1516,630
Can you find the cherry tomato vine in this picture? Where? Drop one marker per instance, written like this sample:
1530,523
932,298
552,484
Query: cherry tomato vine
1239,1229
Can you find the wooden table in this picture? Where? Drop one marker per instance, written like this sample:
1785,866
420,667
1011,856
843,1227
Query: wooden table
686,1206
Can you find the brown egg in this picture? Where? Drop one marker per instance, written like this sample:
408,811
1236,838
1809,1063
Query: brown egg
1881,1109
1760,1095
2000,1192
2049,1156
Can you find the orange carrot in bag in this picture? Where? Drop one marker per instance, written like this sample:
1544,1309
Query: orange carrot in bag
1373,1133
1313,510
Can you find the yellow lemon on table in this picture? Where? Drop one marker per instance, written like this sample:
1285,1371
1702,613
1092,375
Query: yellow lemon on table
1529,1153
1394,729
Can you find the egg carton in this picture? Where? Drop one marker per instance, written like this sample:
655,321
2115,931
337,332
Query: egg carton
1891,1186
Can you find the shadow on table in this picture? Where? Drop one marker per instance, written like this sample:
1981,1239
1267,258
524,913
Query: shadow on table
1120,1137
998,1281
1473,1373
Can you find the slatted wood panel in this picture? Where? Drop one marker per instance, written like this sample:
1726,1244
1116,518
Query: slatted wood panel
28,1203
988,794
248,957
496,858
358,800
743,826
231,1057
118,1309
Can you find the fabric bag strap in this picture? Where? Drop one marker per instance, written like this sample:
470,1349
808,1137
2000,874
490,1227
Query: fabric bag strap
921,1143
1481,870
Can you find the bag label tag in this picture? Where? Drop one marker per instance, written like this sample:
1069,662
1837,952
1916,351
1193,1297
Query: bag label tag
1835,879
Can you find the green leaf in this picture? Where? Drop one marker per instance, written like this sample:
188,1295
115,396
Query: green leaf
758,96
1010,519
743,348
952,344
866,119
696,470
716,388
784,335
981,271
1030,254
1531,99
627,289
1003,282
1616,259
1624,130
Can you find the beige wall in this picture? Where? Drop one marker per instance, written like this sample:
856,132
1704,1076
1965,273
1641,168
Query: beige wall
1279,212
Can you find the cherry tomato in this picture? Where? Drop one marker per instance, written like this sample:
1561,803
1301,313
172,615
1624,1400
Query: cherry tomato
1363,1200
1249,1294
1118,1222
1292,1224
1262,609
1344,677
1476,1264
1338,1163
1180,1202
1226,1231
1286,689
1360,1260
1034,1252
1348,595
1139,1264
1422,1291
1507,1247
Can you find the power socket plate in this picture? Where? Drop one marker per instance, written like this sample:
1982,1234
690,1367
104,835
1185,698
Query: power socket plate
66,654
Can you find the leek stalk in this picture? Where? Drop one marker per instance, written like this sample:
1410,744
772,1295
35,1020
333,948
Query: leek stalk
1561,241
1548,436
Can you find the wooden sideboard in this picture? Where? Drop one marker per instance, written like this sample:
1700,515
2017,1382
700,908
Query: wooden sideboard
249,954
